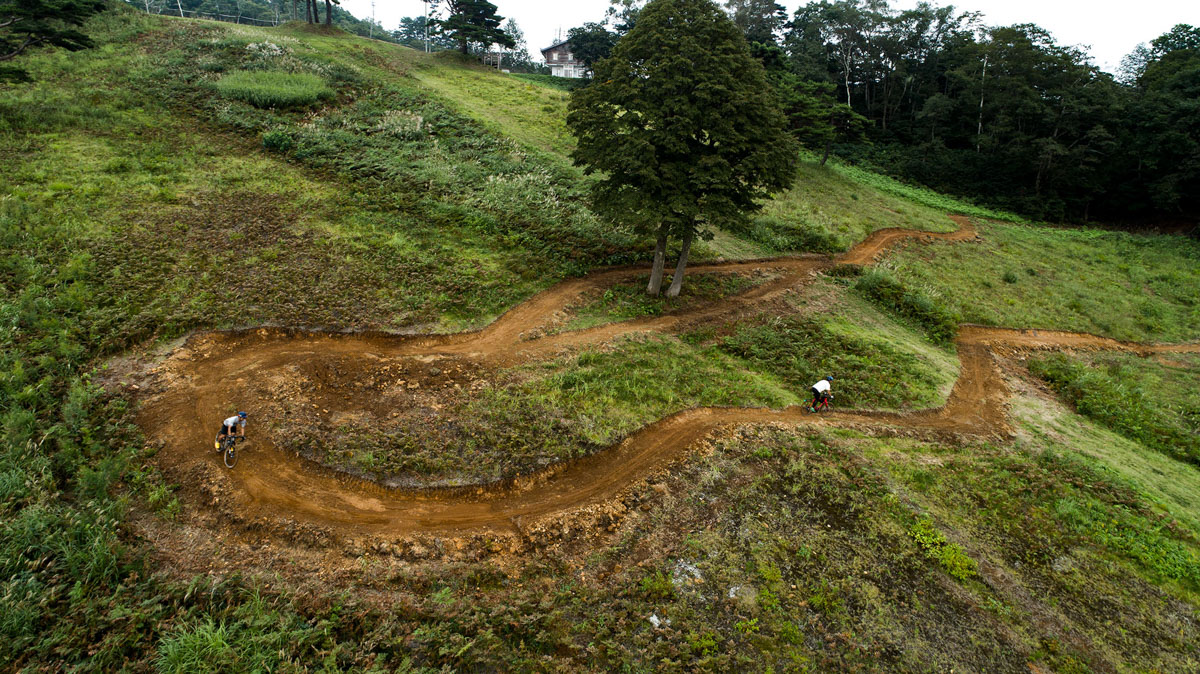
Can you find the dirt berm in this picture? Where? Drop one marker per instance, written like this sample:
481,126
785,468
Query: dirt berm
190,388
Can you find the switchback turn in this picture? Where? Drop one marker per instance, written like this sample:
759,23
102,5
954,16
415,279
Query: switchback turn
200,379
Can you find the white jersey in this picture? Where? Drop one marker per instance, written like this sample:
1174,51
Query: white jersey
822,386
236,421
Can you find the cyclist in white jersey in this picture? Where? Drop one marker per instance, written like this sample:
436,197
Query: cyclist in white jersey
235,425
821,390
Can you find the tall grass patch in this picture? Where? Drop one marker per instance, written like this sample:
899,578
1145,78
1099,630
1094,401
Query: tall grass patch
938,322
867,373
1116,284
1154,404
272,89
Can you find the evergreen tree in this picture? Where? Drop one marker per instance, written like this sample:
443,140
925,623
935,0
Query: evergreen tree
591,42
473,22
759,20
30,23
683,128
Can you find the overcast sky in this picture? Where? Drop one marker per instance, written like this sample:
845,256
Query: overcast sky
1109,28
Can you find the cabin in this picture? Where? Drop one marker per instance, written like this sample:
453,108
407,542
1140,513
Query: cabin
562,62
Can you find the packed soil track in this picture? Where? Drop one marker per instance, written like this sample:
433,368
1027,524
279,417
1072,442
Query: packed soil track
186,393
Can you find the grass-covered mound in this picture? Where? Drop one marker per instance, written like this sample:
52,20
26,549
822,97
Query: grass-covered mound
1127,286
628,300
546,413
828,212
269,89
1143,399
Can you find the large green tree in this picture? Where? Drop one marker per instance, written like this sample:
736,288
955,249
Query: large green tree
592,42
30,23
682,125
473,22
760,20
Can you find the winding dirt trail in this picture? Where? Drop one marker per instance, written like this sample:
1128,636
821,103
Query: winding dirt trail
211,369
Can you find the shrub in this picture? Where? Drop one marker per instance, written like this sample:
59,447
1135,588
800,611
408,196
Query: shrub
1120,404
278,140
934,545
939,323
271,89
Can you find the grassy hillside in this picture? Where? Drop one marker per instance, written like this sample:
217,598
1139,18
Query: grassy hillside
1121,285
145,192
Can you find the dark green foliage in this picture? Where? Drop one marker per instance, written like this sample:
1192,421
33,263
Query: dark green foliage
680,125
25,24
1006,115
1133,397
473,22
867,374
883,289
591,42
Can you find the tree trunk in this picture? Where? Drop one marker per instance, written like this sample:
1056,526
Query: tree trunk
308,10
660,260
677,281
328,13
828,147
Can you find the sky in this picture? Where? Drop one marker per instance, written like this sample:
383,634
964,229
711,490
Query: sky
1110,29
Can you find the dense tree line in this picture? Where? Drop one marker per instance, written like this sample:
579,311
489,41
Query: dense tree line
1002,114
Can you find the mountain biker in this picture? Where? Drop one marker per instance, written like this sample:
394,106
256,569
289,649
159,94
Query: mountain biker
235,425
822,391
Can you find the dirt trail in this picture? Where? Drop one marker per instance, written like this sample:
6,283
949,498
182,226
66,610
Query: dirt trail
211,369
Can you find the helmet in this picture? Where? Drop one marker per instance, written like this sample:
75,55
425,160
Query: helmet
829,379
242,415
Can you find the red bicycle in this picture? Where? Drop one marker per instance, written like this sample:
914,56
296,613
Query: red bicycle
819,405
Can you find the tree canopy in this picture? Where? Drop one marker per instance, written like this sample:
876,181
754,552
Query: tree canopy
473,22
30,23
682,126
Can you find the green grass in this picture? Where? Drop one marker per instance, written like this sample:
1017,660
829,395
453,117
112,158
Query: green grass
624,301
124,180
567,84
929,314
1173,487
265,89
869,372
1155,404
827,212
919,195
1127,286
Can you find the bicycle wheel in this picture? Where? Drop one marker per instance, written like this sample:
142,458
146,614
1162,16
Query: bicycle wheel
231,455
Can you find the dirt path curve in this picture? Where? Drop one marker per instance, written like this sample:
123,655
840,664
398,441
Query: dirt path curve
210,369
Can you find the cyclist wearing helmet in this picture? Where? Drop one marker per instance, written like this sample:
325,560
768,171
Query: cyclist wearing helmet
821,391
235,425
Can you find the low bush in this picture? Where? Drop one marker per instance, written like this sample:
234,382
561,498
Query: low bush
270,89
939,323
1117,397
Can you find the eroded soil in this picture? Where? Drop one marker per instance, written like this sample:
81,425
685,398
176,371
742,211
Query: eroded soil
318,380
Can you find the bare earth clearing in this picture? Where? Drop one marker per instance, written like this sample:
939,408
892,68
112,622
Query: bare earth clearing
186,394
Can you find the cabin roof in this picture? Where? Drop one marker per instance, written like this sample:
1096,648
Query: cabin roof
556,45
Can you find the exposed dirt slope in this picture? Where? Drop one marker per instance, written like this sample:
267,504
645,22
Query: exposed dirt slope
201,379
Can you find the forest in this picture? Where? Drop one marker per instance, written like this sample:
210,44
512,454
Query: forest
1004,115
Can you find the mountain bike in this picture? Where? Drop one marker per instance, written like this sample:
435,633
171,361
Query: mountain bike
229,449
819,406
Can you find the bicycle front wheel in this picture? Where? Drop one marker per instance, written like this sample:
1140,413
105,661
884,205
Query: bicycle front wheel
231,456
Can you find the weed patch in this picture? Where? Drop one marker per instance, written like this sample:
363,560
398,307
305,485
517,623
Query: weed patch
267,89
1143,400
1127,286
883,289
